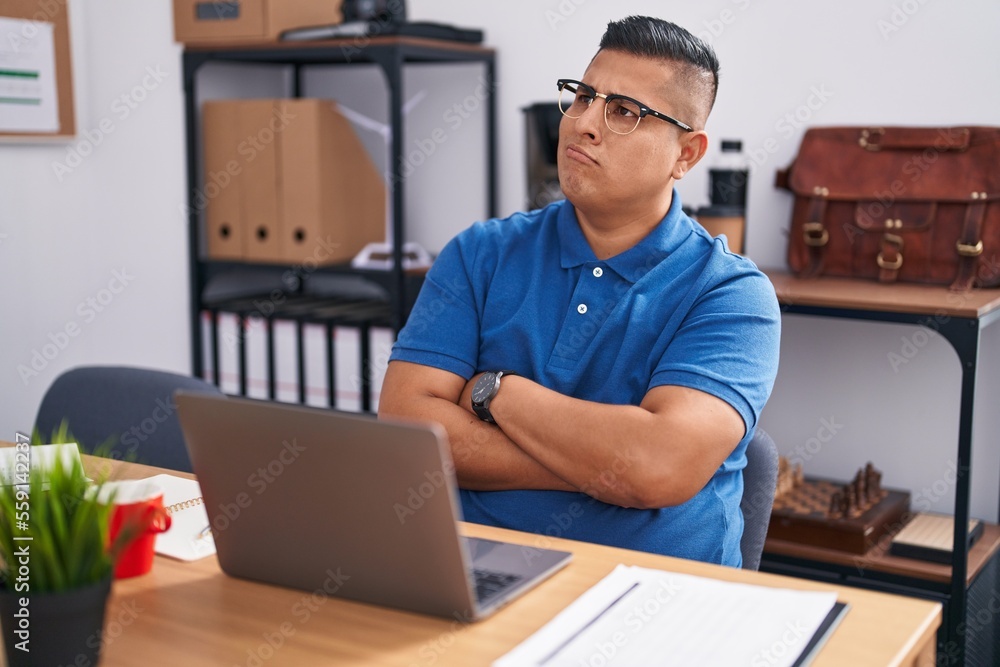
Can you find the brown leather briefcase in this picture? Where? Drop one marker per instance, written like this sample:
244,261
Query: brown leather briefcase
908,204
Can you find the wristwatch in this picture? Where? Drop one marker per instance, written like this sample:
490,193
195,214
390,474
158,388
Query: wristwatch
484,391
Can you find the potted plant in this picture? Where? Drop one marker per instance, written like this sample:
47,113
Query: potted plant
57,561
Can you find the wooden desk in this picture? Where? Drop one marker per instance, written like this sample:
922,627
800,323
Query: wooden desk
960,319
193,614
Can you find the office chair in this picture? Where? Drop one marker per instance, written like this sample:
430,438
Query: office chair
131,409
760,478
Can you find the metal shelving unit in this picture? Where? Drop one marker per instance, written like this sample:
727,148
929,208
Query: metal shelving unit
965,591
391,55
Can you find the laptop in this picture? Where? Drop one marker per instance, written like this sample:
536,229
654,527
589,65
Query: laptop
347,505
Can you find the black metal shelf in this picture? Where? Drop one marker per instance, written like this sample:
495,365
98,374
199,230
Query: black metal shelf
302,310
391,54
964,334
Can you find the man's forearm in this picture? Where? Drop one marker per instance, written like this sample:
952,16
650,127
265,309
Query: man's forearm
654,455
485,458
657,454
593,446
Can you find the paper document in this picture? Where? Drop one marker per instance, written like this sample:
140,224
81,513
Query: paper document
28,95
188,537
639,616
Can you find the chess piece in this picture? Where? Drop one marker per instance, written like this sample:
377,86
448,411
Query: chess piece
848,504
779,483
835,506
860,501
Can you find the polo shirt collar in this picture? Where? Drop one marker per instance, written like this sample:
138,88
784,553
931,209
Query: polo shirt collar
634,262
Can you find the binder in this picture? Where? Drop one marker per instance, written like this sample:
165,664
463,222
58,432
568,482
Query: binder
332,198
317,362
288,182
258,180
219,194
300,188
257,377
286,367
231,336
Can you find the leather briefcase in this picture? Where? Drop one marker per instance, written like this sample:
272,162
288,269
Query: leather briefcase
908,204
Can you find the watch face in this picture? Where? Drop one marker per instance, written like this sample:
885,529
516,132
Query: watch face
484,387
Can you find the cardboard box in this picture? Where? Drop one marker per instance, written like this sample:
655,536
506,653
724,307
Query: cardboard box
208,21
728,220
301,187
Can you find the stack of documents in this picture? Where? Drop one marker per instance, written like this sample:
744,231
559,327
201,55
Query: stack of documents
639,616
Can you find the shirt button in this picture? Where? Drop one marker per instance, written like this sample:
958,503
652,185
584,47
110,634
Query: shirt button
598,272
582,308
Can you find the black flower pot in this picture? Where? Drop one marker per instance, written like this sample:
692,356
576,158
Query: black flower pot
61,628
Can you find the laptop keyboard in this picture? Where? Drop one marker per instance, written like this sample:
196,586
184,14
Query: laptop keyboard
489,583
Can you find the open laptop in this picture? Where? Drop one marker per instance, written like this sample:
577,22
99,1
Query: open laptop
347,505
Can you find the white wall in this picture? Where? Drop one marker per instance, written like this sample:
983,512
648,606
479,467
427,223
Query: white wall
785,65
66,234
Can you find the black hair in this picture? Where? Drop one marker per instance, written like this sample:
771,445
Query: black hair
649,37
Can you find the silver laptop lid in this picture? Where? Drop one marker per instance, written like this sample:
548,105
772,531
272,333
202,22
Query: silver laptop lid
322,500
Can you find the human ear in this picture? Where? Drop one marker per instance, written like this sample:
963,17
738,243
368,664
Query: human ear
694,145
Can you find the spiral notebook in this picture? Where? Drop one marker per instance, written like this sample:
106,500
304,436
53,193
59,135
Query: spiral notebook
188,537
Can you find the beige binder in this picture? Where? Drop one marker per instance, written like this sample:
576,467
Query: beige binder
261,129
301,188
218,194
332,197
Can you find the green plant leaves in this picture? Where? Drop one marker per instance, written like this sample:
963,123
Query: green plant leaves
68,528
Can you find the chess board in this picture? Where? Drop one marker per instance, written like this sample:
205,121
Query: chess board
802,515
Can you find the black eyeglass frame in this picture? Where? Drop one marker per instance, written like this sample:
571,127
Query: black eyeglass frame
643,109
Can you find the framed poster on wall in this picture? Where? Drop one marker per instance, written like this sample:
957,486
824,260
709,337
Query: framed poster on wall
36,75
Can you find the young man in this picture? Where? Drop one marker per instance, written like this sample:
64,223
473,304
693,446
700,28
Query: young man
600,364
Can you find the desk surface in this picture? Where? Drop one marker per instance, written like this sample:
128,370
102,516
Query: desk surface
875,296
193,614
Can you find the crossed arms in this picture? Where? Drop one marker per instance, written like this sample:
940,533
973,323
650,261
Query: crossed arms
657,454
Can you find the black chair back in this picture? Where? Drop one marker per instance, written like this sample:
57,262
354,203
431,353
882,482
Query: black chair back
760,479
129,409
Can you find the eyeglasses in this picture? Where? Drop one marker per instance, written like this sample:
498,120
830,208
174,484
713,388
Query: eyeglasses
621,114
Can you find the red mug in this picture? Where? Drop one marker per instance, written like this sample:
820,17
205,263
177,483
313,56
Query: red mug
138,508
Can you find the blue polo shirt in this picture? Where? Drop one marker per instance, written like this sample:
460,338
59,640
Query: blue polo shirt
527,293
